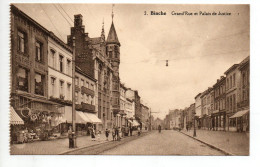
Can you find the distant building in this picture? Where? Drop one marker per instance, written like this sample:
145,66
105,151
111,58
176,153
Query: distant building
219,113
133,95
198,110
206,106
145,117
232,94
239,107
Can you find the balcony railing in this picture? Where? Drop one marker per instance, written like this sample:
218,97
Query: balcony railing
244,103
87,91
88,107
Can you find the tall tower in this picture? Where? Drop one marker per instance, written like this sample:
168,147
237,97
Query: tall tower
113,53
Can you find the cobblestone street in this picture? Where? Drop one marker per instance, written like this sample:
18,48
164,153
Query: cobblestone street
232,142
168,142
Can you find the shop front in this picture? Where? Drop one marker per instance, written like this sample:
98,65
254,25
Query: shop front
41,117
240,121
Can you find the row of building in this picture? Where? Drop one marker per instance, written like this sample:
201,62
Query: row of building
223,106
41,79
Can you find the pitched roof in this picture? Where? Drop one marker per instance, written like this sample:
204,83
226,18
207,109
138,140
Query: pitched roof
112,36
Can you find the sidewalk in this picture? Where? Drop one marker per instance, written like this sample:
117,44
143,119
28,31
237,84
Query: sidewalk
55,147
230,142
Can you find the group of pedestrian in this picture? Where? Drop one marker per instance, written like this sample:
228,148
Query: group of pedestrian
117,133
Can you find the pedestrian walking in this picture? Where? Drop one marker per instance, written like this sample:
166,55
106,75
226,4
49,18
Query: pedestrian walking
93,134
107,133
123,131
98,136
70,137
114,133
131,130
139,130
187,127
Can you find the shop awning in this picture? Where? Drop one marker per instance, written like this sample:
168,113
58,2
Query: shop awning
92,117
80,119
135,123
239,113
131,122
83,116
15,118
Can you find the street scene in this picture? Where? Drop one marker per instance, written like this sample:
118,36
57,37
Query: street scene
128,79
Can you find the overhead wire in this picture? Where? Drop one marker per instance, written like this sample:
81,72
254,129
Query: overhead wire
51,22
62,15
65,12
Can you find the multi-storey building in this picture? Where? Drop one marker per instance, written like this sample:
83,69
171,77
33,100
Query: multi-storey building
129,110
121,116
198,110
145,118
99,59
219,113
85,100
232,94
244,101
133,95
29,71
206,106
240,117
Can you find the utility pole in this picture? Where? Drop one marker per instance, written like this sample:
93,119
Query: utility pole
194,132
73,97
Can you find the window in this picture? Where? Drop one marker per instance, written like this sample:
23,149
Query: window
87,84
77,81
61,89
82,82
227,84
244,79
61,63
39,81
110,54
69,70
21,41
52,91
22,79
76,97
68,91
234,79
52,58
82,97
230,79
92,87
38,50
227,103
234,102
230,101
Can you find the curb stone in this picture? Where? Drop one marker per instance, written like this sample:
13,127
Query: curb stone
210,145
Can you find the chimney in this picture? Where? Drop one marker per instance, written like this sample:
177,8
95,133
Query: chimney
78,20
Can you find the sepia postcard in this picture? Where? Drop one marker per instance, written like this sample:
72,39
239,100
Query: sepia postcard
131,84
129,79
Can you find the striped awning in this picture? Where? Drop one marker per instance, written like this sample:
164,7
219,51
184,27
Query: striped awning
15,118
93,118
239,114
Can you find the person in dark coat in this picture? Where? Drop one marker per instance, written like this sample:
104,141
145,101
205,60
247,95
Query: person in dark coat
107,133
131,130
93,134
70,137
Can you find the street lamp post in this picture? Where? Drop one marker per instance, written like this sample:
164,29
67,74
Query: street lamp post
194,132
73,96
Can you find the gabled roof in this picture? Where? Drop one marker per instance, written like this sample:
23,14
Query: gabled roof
112,36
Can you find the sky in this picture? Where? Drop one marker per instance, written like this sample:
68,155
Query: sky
199,48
